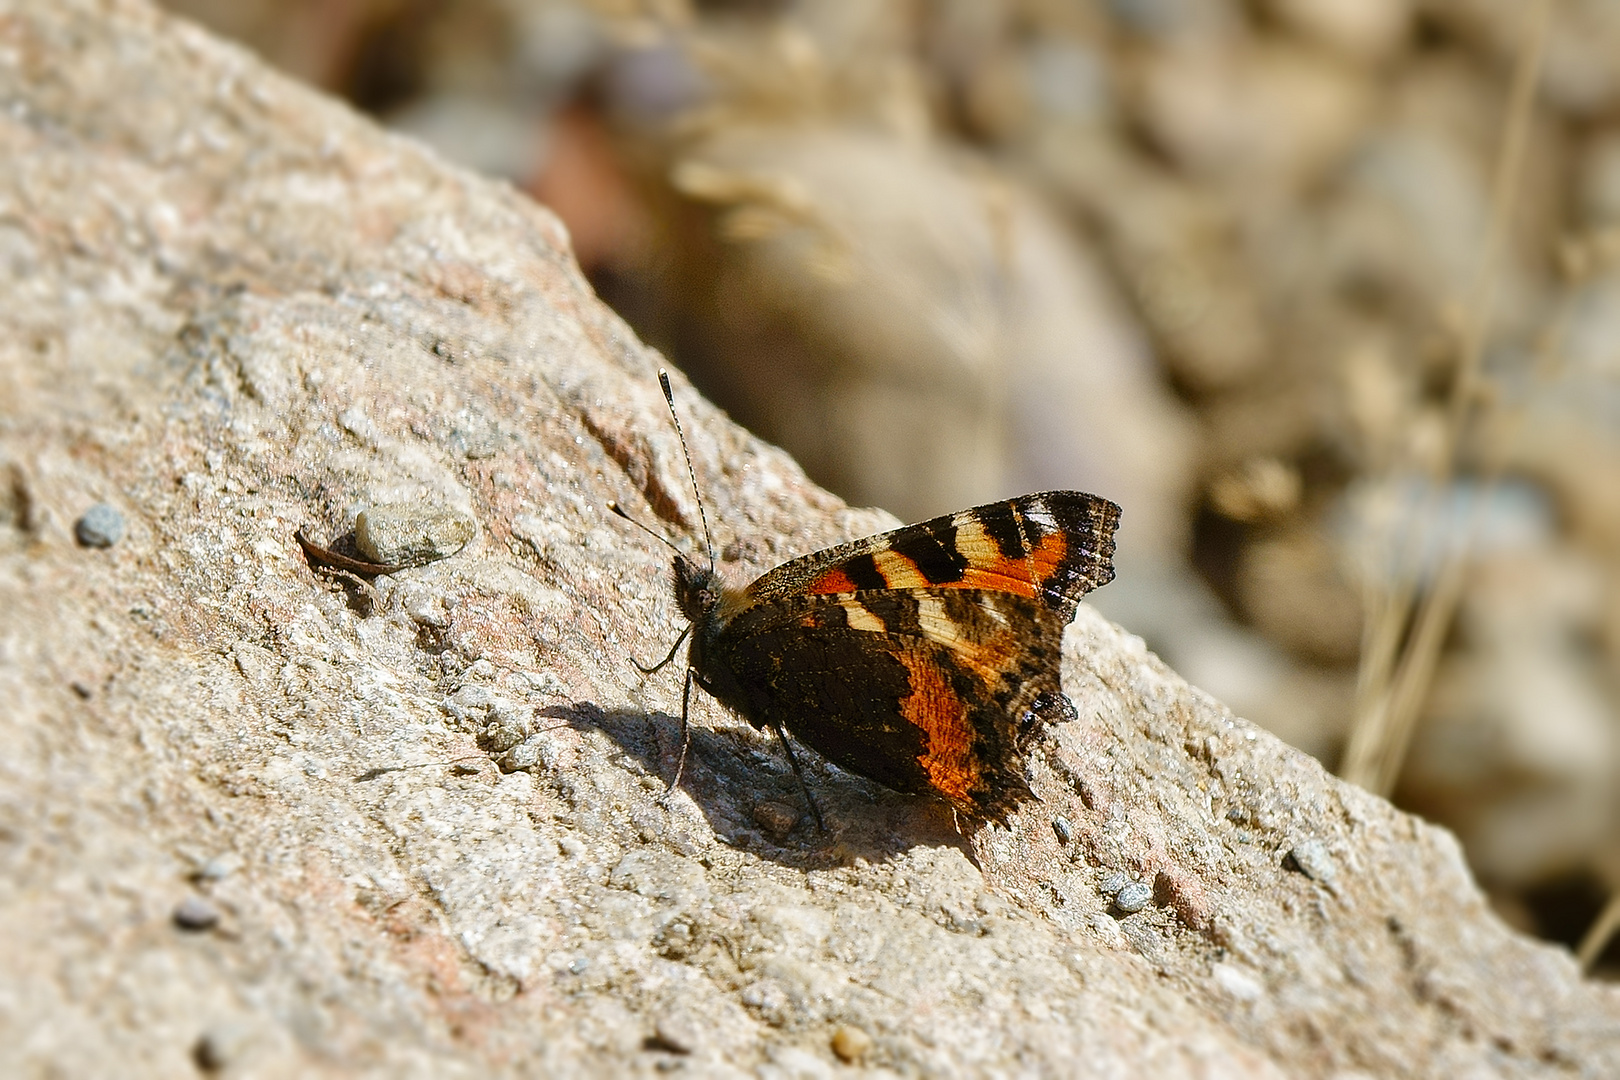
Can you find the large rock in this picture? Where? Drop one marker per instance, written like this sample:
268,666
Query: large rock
232,310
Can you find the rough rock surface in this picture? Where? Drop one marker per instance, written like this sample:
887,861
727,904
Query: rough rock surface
232,310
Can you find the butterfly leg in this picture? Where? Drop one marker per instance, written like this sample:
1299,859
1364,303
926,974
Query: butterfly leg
662,663
686,735
787,748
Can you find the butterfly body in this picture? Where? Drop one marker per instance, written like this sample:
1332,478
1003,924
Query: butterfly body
922,658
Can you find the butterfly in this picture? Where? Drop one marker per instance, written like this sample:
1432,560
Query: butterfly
924,658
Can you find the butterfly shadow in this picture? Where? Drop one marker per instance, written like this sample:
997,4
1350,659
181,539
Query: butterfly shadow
742,782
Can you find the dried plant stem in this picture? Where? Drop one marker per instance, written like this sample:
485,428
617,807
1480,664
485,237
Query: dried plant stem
1391,690
1395,709
1599,934
1383,630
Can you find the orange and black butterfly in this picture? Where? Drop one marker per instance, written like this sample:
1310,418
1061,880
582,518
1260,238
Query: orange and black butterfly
923,658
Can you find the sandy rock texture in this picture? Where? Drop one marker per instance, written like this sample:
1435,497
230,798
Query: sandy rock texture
260,820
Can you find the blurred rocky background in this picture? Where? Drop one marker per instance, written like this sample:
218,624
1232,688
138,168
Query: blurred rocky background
1326,293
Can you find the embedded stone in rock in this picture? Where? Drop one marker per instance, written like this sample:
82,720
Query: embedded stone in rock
1311,858
1134,897
221,1046
411,535
851,1044
195,913
101,526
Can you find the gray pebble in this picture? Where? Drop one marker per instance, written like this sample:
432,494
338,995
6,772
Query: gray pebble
411,535
1311,858
1134,897
101,526
1063,828
1112,882
220,867
525,755
195,913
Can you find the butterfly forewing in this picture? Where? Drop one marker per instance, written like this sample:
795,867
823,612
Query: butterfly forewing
1054,546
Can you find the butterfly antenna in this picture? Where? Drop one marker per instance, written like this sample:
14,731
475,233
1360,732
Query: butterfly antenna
658,536
669,396
667,542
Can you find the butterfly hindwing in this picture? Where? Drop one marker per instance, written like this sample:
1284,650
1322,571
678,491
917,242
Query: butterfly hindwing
930,689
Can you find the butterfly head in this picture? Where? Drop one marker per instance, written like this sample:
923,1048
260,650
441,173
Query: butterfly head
698,589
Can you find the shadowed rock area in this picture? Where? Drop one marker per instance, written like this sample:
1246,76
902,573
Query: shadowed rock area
264,820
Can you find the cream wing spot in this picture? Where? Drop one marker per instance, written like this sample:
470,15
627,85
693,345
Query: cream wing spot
933,618
860,618
898,571
973,538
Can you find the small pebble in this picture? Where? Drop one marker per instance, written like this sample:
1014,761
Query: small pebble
220,867
1112,882
525,755
1311,858
676,1033
1134,897
195,913
776,818
850,1043
221,1045
411,535
101,526
1063,828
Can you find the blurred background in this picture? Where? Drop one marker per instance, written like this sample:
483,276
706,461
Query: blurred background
1326,293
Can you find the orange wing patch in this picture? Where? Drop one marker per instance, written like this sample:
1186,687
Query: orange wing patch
939,713
833,581
989,569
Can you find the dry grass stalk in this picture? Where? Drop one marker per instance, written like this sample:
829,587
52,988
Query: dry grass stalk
1599,934
1397,667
